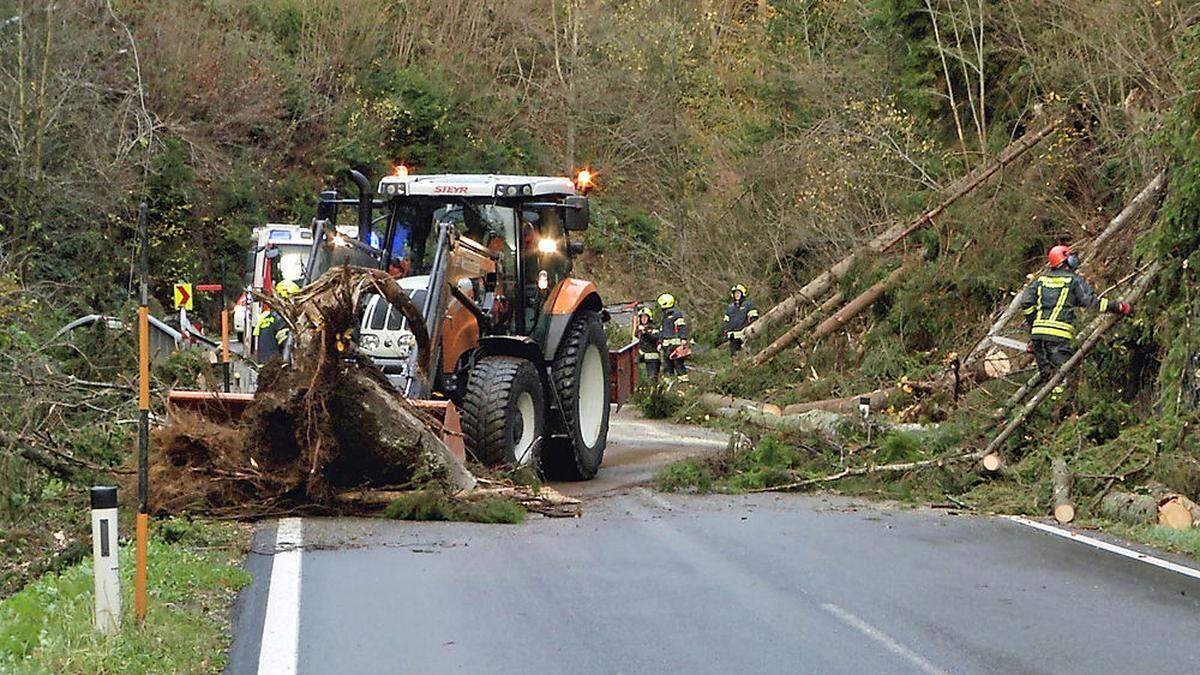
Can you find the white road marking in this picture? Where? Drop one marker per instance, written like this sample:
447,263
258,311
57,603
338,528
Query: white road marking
279,653
882,638
1111,548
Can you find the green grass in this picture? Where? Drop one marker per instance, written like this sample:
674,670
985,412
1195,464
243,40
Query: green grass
771,462
656,401
47,626
685,475
1159,536
426,505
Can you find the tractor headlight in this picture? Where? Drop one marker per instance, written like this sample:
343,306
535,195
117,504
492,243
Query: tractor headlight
547,245
543,280
369,341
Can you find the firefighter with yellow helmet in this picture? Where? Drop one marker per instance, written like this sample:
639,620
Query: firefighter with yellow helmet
649,341
675,344
271,332
740,314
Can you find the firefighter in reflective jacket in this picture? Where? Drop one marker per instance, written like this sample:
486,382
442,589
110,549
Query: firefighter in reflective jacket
676,347
271,332
649,340
1049,305
740,313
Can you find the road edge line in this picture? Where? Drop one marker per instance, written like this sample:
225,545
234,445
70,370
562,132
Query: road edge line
1111,548
279,651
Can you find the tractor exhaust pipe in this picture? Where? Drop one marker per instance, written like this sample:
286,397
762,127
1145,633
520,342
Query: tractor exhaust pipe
365,198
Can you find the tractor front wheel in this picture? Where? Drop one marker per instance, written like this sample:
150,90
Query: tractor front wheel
580,375
503,412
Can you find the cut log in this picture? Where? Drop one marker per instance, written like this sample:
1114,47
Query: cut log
1061,481
1127,215
993,461
863,301
1130,508
1106,322
797,332
1175,504
1175,514
821,284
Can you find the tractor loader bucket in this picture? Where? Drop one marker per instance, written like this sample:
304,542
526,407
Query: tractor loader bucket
223,407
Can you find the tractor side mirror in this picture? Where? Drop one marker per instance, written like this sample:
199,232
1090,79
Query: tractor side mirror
578,216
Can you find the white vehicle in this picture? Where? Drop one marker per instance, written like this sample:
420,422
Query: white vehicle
278,251
384,334
275,247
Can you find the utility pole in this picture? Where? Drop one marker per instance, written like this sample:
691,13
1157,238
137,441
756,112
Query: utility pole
142,522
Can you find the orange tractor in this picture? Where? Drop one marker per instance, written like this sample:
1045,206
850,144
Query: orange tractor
519,344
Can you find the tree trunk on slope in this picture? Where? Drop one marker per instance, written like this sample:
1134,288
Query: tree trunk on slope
888,238
1122,219
796,332
863,301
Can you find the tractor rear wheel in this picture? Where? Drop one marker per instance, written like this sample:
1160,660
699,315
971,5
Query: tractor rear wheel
580,375
503,412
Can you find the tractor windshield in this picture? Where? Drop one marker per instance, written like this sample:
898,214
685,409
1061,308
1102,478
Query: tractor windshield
528,239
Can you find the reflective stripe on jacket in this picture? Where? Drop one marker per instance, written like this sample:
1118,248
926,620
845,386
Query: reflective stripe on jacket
1049,303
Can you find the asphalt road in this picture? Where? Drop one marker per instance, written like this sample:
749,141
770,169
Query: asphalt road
645,582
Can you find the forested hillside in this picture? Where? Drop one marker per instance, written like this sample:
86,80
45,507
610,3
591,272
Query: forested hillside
733,141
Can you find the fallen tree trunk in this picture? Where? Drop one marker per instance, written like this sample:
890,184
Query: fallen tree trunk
863,301
1106,322
1061,482
1130,508
796,332
820,284
1127,215
865,471
326,421
717,401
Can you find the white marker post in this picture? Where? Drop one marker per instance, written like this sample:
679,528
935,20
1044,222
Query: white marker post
104,559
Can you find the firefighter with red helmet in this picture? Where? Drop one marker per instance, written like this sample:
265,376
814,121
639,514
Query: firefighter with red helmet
676,347
1049,305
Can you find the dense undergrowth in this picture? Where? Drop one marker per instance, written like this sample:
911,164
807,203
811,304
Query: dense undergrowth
195,570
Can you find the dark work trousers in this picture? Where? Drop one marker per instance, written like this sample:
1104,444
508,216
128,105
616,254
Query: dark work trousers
1050,355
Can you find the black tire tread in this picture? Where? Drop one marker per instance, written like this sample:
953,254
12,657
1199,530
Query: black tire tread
564,462
485,406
